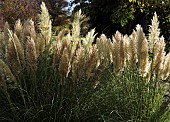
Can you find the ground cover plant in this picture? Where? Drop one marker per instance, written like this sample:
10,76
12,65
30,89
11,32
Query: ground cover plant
68,78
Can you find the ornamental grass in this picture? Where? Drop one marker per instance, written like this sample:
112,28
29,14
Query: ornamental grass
69,78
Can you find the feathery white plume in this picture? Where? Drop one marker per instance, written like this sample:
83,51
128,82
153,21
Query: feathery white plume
154,32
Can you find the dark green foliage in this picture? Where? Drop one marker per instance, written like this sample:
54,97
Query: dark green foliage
108,16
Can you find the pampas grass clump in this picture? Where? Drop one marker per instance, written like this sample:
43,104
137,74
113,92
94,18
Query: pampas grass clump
69,78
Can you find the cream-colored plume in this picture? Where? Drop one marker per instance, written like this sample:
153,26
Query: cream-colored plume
45,24
166,67
154,32
126,49
29,29
65,63
88,40
31,57
75,36
5,38
159,55
132,50
91,61
142,51
18,28
104,49
76,26
19,49
14,53
6,76
59,46
78,64
119,52
40,44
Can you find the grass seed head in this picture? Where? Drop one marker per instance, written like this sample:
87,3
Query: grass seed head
45,24
12,53
18,28
5,38
78,64
76,26
65,63
166,67
154,32
29,29
31,57
91,61
159,55
88,40
132,50
119,52
142,50
6,75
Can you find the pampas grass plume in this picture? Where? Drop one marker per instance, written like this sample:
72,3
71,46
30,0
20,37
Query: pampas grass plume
31,57
119,52
45,24
6,72
142,50
13,54
91,61
59,47
88,40
19,49
154,32
104,47
78,64
65,64
5,38
166,67
76,26
159,55
18,28
29,29
132,50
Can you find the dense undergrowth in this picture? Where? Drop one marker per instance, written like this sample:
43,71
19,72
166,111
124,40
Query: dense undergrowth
67,78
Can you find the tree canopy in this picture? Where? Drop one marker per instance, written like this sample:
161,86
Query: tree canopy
15,9
108,16
25,9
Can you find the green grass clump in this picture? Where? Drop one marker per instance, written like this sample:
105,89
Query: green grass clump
126,97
